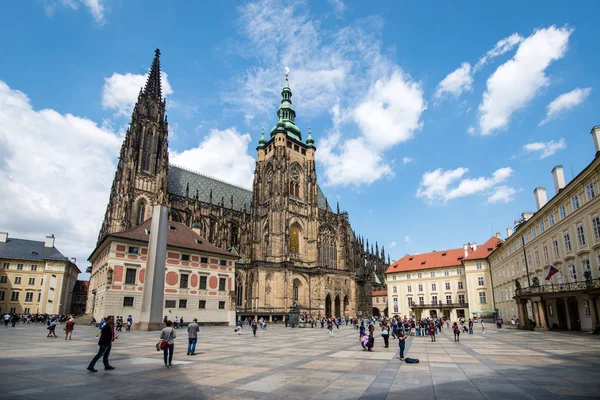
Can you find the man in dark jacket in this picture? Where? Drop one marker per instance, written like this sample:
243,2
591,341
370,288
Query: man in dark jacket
107,336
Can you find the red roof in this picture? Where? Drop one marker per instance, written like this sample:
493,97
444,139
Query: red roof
441,259
379,293
485,249
178,235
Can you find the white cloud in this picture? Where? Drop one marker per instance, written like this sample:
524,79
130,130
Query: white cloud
565,101
407,239
503,46
545,149
222,154
407,160
55,172
95,7
393,244
120,91
348,76
502,194
515,83
441,186
338,6
457,82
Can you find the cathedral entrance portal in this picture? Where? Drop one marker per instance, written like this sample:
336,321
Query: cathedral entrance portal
337,306
328,306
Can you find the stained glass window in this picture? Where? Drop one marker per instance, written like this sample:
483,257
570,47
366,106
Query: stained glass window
294,240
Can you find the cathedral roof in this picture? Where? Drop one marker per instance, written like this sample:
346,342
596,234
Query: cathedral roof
180,177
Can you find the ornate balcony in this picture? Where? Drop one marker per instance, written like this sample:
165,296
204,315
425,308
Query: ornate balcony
438,305
579,286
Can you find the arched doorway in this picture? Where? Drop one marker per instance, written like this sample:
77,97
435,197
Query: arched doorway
337,306
328,306
346,305
376,312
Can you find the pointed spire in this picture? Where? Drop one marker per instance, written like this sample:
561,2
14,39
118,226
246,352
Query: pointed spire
389,263
338,208
153,87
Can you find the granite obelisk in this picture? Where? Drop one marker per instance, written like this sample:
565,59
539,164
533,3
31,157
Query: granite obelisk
154,283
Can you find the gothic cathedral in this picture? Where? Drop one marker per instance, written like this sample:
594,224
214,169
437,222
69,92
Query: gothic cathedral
294,249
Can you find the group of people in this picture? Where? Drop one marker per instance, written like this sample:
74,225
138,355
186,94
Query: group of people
15,318
168,335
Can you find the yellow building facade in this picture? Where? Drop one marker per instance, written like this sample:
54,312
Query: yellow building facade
564,232
35,277
452,284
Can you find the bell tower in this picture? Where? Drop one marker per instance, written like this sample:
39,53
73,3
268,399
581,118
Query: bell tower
143,166
284,204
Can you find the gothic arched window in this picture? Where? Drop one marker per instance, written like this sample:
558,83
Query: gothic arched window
239,291
328,249
147,152
141,213
294,239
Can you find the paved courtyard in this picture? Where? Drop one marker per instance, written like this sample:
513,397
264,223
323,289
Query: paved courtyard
283,363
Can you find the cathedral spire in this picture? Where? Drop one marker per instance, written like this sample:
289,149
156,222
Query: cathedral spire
286,113
153,87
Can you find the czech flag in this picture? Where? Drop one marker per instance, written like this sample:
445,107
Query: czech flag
551,272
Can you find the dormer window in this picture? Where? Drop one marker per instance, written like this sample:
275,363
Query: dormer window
185,257
198,241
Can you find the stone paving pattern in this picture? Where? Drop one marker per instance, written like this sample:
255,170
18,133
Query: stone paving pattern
285,363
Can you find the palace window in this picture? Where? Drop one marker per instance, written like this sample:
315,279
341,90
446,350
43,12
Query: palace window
409,301
585,266
28,297
1,295
183,281
17,280
294,239
482,298
460,285
545,251
479,265
432,273
589,190
182,303
448,299
395,302
573,271
461,298
562,211
409,288
419,275
568,247
133,250
420,287
407,276
31,281
204,260
480,280
130,276
596,226
551,219
20,267
446,273
5,265
447,285
459,271
394,289
537,257
580,235
203,282
533,233
221,305
434,300
421,300
14,296
185,257
222,284
223,262
575,202
542,226
433,287
127,301
556,249
202,304
170,303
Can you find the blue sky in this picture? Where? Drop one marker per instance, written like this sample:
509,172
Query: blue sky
433,122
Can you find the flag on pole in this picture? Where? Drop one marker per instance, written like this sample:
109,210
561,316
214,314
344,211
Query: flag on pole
551,272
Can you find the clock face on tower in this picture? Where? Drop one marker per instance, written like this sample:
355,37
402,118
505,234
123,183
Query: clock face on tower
295,175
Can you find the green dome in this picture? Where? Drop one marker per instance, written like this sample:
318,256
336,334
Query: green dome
262,141
309,140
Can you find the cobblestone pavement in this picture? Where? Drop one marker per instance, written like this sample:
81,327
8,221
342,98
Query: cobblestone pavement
283,363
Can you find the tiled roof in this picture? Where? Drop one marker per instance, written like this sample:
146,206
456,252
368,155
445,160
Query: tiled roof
181,236
485,249
180,177
379,293
441,259
30,250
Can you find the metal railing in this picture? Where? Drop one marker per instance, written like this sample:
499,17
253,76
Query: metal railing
559,287
439,304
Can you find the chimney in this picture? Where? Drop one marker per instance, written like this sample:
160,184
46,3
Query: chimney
509,232
466,249
596,135
558,175
498,235
474,246
3,237
49,241
540,197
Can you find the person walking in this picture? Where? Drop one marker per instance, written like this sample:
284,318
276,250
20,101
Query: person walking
6,319
456,331
402,343
330,327
432,332
69,328
482,327
107,336
168,334
193,330
385,334
52,327
254,328
470,327
129,323
361,331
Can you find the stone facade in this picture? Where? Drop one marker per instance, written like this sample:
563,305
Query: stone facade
293,248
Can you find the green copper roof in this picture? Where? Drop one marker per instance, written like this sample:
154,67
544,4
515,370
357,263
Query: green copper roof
309,140
262,141
286,115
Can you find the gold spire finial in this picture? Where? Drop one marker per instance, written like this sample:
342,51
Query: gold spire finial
287,71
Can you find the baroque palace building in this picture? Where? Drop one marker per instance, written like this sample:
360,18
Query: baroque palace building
293,249
452,284
35,277
564,232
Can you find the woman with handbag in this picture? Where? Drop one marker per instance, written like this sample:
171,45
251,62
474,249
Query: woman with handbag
167,343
